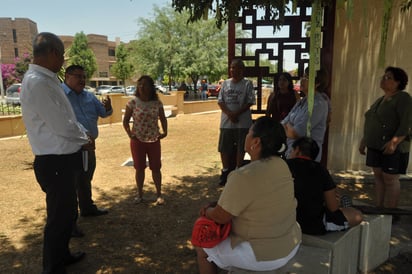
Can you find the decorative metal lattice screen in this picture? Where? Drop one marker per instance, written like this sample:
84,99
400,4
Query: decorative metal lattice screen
252,39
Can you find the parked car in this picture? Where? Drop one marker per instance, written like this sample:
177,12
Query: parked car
130,90
213,90
103,89
13,94
267,86
90,89
117,89
161,89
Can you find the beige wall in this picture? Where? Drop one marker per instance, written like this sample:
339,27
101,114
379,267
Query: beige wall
356,75
13,125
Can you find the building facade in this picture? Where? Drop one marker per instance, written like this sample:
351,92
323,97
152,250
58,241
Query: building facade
16,36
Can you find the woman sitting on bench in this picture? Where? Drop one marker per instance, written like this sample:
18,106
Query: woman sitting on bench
258,199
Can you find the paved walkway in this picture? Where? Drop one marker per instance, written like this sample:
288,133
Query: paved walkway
401,241
401,233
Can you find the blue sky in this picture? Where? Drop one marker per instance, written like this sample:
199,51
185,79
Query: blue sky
112,18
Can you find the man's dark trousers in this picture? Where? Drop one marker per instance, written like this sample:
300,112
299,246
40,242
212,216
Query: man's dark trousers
84,185
56,176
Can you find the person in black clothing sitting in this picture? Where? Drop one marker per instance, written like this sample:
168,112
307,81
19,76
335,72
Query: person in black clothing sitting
319,210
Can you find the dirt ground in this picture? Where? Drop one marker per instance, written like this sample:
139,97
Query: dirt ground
135,238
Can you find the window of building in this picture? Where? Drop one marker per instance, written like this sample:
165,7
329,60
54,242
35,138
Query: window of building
14,36
16,52
112,52
103,74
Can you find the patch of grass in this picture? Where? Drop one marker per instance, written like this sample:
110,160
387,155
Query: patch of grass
9,109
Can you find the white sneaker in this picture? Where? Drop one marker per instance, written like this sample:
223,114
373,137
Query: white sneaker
160,201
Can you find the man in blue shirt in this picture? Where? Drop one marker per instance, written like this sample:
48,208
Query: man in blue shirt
88,109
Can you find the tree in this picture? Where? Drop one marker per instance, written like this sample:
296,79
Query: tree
156,48
229,10
22,65
8,74
122,69
169,46
203,50
14,73
80,54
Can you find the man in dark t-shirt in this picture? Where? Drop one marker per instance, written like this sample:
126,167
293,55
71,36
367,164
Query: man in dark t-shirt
318,209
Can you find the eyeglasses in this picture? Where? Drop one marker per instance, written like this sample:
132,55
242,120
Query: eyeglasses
78,76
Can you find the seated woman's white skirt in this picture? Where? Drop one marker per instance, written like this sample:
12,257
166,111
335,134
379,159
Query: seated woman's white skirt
242,256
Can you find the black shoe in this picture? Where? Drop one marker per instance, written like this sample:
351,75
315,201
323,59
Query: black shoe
223,177
76,232
95,212
74,258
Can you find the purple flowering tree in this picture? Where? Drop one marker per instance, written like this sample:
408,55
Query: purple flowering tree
8,74
22,65
13,73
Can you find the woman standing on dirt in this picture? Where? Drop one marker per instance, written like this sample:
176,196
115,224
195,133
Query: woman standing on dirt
387,128
259,201
282,99
146,109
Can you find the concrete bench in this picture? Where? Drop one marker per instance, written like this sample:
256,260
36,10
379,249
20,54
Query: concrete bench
308,260
357,250
344,248
375,241
170,110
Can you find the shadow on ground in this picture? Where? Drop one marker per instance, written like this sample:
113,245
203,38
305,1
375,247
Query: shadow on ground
129,238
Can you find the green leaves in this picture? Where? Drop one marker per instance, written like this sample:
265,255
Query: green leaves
80,54
122,69
171,48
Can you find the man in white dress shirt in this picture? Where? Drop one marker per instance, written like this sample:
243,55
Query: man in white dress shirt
56,139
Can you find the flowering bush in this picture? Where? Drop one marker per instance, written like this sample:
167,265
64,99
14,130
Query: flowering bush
8,74
13,73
